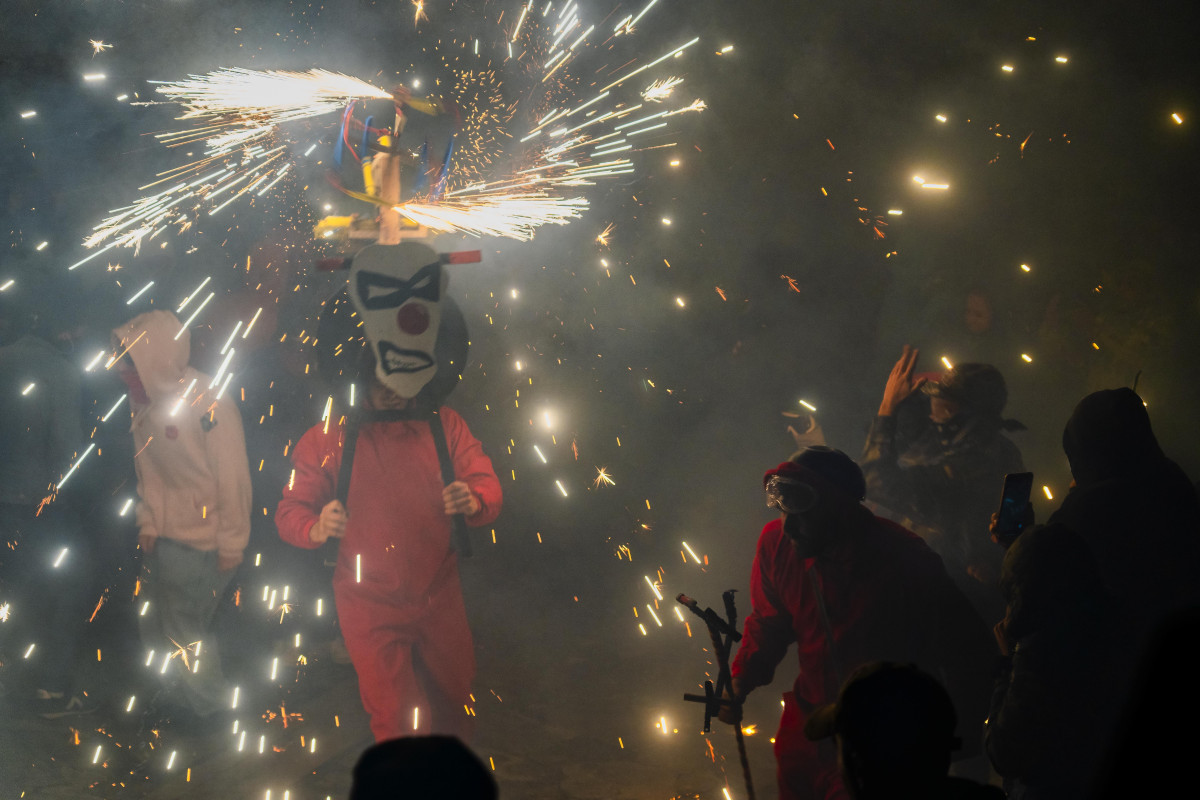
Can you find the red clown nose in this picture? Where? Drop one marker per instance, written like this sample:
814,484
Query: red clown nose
413,318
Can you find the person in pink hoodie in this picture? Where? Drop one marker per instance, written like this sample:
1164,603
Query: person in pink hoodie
193,511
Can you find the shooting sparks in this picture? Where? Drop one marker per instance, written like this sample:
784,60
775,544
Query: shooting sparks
660,90
238,114
602,237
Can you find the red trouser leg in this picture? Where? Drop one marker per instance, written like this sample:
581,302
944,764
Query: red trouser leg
414,668
806,770
446,662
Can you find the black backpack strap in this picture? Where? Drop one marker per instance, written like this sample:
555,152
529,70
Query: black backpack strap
353,423
329,550
462,542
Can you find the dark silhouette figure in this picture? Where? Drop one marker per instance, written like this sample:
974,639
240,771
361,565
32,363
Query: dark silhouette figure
1055,700
1154,751
1135,507
894,727
45,570
421,768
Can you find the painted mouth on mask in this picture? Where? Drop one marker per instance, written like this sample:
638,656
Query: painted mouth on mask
396,359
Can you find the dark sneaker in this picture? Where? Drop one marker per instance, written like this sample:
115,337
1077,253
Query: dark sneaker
55,705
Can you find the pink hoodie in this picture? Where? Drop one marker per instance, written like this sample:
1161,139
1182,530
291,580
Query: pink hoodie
193,477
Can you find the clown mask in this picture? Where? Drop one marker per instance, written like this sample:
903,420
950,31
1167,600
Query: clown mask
397,291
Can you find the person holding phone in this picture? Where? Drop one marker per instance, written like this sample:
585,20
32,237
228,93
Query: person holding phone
1015,513
1057,689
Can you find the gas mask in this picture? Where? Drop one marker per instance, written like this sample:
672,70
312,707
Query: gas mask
397,291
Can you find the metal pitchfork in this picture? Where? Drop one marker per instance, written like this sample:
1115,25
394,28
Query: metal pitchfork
724,633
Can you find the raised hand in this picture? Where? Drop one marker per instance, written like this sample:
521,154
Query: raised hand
900,383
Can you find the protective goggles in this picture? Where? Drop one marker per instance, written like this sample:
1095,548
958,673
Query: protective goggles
789,495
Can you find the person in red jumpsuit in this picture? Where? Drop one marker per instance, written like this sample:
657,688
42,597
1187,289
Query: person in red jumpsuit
396,583
849,588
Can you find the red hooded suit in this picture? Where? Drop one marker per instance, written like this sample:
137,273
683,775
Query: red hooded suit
396,583
877,593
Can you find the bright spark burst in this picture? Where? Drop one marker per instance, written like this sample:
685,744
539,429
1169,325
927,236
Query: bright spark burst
602,237
276,96
602,476
237,114
419,14
660,90
511,215
98,46
183,650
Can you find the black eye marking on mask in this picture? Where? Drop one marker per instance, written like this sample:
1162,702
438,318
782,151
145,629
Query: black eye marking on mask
378,291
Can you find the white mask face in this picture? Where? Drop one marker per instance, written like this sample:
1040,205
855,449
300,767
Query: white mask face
397,291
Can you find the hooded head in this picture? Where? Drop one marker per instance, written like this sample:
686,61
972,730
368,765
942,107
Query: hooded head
1108,436
977,389
895,729
814,490
397,290
419,767
159,348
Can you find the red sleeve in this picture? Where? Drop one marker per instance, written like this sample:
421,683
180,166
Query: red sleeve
473,466
313,483
768,631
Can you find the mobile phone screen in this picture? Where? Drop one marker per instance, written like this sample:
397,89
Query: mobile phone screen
1013,502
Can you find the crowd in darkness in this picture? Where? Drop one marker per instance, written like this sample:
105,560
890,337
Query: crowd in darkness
946,649
1076,694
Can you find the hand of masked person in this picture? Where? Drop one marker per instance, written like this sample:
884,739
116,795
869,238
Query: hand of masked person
900,383
730,713
332,522
459,499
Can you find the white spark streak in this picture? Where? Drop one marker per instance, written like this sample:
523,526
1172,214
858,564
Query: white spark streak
192,294
75,466
115,406
140,292
190,319
253,320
